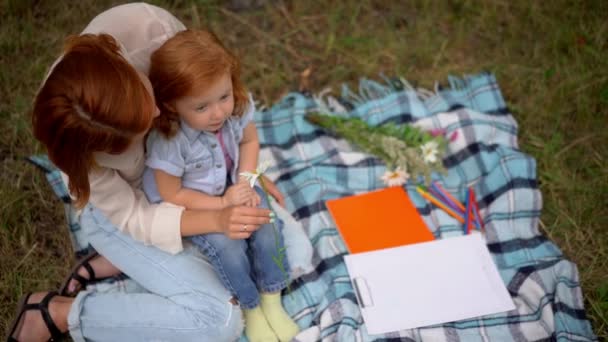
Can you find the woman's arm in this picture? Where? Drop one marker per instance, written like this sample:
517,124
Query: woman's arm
163,224
228,221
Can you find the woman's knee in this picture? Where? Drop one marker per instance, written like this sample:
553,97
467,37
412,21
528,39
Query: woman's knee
230,328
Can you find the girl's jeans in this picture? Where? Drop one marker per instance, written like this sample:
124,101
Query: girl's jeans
247,267
176,298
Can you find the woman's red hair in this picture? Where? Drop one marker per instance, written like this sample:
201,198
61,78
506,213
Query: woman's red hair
186,63
92,101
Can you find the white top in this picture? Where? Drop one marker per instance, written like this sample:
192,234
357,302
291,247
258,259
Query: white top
115,186
140,28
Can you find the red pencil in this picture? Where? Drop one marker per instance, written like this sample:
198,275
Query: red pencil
476,212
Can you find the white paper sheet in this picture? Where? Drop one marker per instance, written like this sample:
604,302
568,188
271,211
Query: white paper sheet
427,283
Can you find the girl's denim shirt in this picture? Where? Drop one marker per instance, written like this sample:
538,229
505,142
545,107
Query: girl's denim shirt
196,157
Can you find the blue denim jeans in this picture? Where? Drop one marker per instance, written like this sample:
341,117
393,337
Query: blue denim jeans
171,297
248,266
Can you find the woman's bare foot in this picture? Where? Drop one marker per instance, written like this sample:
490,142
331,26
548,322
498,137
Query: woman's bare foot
102,267
31,327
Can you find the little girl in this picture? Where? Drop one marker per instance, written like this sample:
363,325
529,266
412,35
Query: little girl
203,139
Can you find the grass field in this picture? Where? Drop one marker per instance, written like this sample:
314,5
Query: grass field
550,58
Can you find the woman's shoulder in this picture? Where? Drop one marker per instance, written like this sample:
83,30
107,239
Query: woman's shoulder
139,27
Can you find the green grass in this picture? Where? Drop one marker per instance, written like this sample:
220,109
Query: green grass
550,58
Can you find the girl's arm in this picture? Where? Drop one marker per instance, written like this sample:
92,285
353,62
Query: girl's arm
171,190
249,149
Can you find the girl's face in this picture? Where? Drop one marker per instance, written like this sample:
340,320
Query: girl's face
208,109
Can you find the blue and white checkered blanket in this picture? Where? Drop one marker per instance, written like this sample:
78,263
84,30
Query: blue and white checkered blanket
312,166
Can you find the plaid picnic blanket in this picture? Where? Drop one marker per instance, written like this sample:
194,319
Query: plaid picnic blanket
312,166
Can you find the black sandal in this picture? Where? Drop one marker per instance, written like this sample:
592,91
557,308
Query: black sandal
84,262
43,307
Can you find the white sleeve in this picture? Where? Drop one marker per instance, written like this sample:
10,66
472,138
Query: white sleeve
153,224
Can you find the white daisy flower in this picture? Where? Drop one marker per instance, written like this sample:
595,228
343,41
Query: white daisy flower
429,151
395,178
252,177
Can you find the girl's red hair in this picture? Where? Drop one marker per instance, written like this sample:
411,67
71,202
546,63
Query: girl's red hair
92,101
186,63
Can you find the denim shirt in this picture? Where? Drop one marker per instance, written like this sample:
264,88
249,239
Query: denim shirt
195,156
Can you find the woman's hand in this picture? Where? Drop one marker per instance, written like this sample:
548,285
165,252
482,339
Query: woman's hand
239,222
273,190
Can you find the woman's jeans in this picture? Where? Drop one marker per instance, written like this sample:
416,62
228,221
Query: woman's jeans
247,267
178,297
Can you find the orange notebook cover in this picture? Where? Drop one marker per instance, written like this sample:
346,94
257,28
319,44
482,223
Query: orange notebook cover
379,219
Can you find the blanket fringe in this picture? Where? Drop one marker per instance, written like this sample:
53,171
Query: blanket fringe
370,90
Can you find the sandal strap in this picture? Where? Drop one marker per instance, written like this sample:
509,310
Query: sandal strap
82,280
89,269
90,276
43,306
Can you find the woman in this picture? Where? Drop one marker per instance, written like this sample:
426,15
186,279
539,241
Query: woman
92,113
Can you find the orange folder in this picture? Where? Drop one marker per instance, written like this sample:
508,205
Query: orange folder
379,219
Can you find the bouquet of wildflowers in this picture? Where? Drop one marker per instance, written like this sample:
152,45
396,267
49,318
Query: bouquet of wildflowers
408,151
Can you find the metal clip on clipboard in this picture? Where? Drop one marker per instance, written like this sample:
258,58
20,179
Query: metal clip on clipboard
363,292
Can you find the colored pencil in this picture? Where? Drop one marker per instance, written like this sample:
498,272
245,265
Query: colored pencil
467,217
471,215
476,213
448,195
459,207
442,197
440,205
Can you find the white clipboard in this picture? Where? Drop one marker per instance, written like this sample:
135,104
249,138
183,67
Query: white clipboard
427,283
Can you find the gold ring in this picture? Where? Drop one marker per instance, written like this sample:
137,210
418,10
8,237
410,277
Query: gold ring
244,227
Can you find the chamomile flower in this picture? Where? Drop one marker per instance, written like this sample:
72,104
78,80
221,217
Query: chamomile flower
397,177
430,151
252,177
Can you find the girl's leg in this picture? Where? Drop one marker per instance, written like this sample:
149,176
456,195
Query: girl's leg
267,249
230,260
186,300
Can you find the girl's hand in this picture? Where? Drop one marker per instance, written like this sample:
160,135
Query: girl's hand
238,194
273,191
254,201
239,222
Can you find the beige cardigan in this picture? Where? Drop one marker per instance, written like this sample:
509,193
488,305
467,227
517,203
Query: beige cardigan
115,186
